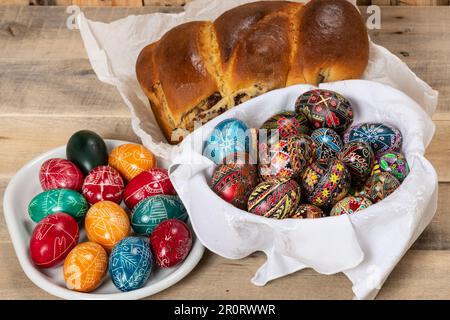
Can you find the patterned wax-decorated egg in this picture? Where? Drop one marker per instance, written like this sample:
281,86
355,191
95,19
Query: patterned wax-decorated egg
286,124
326,182
147,184
229,136
59,173
131,159
58,200
233,182
350,205
286,158
130,264
394,163
325,109
307,211
106,223
86,150
358,157
148,213
103,183
275,198
381,138
376,167
171,242
380,185
52,239
328,143
85,267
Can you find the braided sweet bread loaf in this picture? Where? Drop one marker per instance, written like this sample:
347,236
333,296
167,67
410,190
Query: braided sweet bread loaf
200,69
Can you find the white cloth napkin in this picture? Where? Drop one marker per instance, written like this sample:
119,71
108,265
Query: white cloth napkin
365,246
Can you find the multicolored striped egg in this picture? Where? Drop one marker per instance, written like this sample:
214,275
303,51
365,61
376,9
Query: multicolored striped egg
350,205
394,163
381,137
275,198
328,143
326,182
233,182
307,211
286,158
286,124
380,185
358,157
325,109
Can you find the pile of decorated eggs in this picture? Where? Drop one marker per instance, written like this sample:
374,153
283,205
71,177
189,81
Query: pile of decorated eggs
310,163
131,214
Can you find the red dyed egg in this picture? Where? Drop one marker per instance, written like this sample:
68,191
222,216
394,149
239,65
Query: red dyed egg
52,239
103,183
59,173
171,242
147,184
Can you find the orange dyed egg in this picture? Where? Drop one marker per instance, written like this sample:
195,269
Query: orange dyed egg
85,267
131,159
106,223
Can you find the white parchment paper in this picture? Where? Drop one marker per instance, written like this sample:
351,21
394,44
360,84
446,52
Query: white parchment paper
366,246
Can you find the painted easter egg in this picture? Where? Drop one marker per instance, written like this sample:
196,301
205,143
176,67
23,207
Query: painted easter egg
350,205
381,137
85,267
170,242
380,185
395,163
106,223
148,183
130,263
358,157
86,150
103,183
328,143
274,198
229,136
148,213
376,167
52,239
233,182
286,124
131,159
286,158
326,182
325,109
59,173
58,200
307,211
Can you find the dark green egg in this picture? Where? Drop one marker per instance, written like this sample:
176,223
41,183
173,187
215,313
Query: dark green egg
87,150
58,200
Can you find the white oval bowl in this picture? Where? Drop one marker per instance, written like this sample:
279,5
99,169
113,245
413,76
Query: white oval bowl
19,192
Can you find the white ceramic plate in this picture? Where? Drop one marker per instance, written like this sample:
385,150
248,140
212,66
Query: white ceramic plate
22,188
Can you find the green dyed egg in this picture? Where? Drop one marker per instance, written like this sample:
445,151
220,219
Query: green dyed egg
148,213
87,150
58,200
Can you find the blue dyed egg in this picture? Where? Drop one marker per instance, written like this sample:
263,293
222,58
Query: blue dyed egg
229,136
328,143
148,213
381,137
130,263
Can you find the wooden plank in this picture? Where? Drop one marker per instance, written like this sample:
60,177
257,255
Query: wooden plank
211,280
108,3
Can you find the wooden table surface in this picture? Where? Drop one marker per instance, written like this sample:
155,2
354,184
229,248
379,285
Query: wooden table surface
48,91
